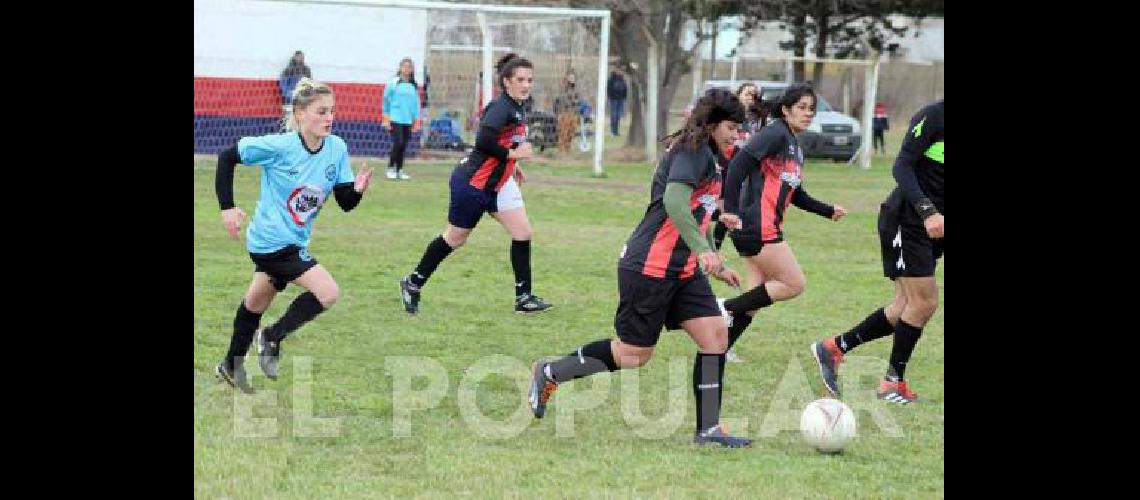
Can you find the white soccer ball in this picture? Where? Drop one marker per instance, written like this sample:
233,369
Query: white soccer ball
827,424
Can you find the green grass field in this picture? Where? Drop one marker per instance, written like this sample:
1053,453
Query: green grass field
461,427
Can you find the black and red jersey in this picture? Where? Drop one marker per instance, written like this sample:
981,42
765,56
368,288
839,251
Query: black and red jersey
764,177
655,248
502,128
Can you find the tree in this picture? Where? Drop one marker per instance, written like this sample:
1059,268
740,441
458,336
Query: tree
634,22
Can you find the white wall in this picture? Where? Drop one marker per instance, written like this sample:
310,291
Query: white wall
342,43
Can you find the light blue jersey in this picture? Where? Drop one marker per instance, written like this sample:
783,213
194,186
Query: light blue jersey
294,185
401,101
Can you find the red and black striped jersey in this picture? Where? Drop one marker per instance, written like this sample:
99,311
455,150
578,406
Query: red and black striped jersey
770,168
655,248
502,128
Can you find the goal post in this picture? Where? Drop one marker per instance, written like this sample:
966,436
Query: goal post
243,46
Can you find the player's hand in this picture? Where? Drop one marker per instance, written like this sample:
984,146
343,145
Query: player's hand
232,218
363,179
731,221
934,225
729,276
415,126
839,213
387,122
710,262
519,177
523,152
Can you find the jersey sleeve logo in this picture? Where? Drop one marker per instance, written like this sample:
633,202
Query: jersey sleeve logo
709,202
330,172
918,128
304,202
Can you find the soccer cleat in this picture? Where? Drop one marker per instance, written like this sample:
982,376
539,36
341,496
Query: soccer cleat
403,176
731,357
529,304
391,173
236,377
828,357
716,435
410,294
895,392
541,388
268,354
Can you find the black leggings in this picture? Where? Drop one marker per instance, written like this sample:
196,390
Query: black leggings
879,143
400,135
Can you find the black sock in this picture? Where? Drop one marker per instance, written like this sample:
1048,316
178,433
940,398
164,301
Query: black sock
304,308
873,327
708,374
906,336
520,261
245,324
436,251
739,323
595,357
749,301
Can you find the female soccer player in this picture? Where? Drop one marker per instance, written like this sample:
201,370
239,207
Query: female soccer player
488,180
911,236
764,177
300,168
659,283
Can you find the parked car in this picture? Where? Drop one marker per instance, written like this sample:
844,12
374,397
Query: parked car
832,134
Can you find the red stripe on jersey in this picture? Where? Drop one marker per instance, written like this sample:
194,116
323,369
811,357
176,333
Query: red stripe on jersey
771,206
507,173
479,180
483,174
768,201
657,262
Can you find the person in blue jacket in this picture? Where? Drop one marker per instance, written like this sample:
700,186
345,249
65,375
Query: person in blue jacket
401,115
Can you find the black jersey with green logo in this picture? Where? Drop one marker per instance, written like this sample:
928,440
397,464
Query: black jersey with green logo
920,168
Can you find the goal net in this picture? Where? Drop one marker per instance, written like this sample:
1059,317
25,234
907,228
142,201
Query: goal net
243,50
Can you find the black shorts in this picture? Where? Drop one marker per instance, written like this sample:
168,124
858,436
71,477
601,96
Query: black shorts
747,247
284,265
907,250
646,304
468,203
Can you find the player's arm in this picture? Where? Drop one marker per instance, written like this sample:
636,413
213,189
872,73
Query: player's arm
923,127
759,145
347,196
495,117
224,177
349,188
683,177
711,235
232,216
737,170
676,200
804,201
386,110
